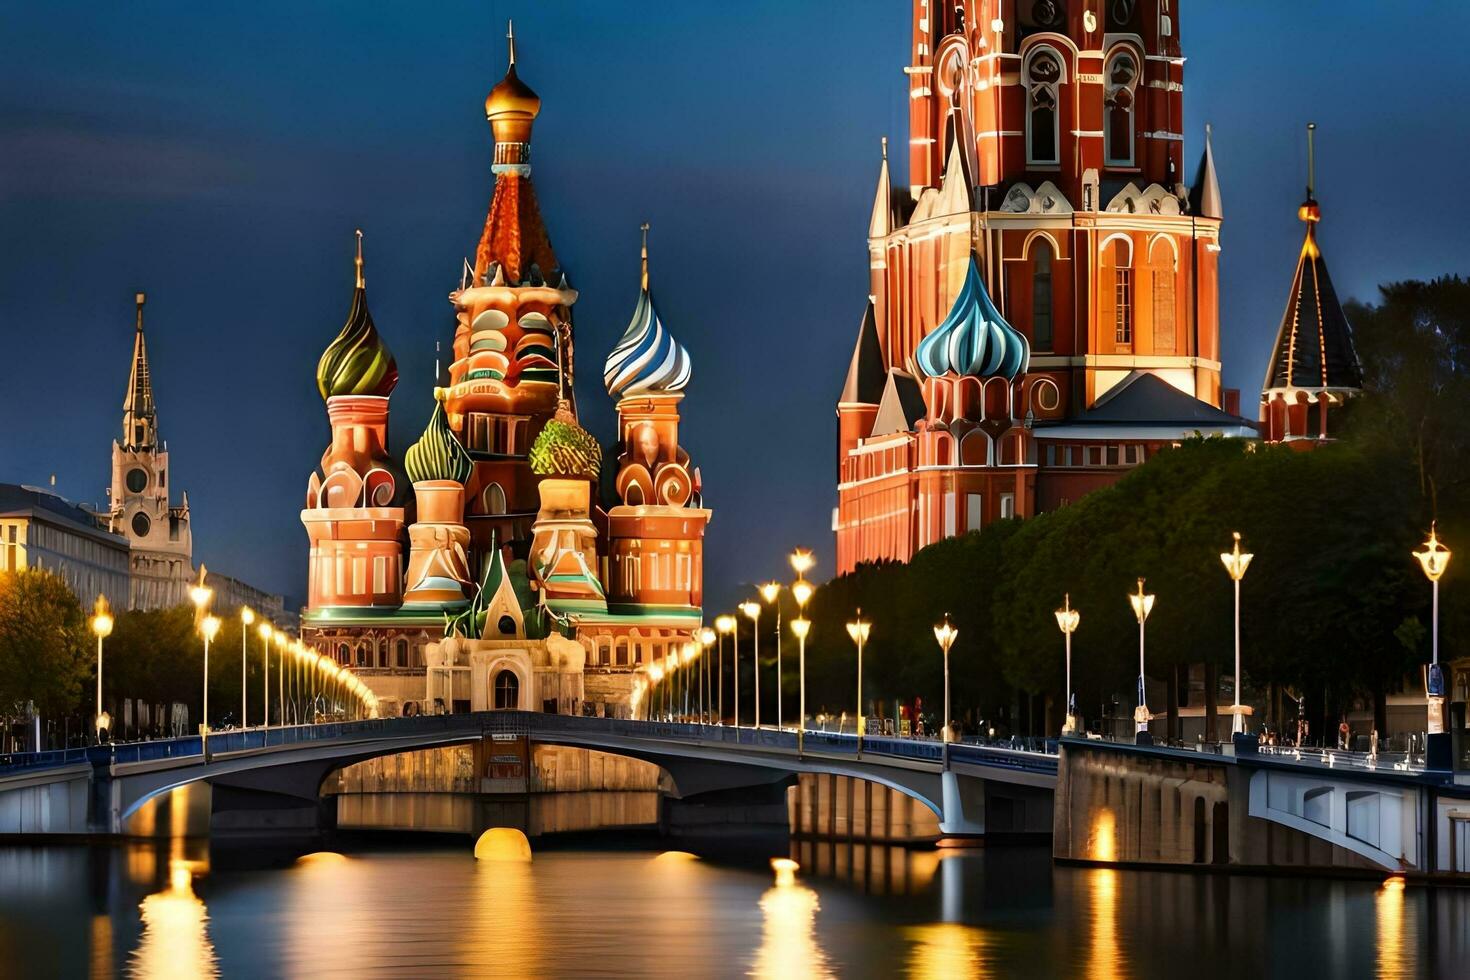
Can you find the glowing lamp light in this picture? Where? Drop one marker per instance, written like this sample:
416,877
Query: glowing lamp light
945,633
264,631
802,561
802,591
707,637
104,721
801,627
785,871
1142,603
201,593
655,673
1067,617
858,629
725,623
752,610
247,615
770,591
279,637
691,650
1435,557
1235,560
209,626
102,618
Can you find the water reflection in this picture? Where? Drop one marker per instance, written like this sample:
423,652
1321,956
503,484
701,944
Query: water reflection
949,949
789,946
1105,957
175,940
1395,956
503,934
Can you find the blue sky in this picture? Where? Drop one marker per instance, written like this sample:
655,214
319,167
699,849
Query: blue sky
220,156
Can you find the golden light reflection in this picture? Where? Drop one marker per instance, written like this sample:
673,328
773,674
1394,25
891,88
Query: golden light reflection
1102,844
175,939
502,932
676,857
321,858
789,946
503,844
785,870
1105,958
948,949
1396,957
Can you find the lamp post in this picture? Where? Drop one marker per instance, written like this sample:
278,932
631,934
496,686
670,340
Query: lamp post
208,628
201,594
1142,604
280,640
264,632
1236,562
945,633
735,635
771,592
1067,620
1434,559
706,640
724,623
801,626
858,630
102,626
752,612
247,618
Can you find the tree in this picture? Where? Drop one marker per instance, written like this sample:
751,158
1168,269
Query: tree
43,644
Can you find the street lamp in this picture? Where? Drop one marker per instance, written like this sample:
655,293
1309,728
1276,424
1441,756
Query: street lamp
752,612
279,639
1434,559
1067,620
247,619
725,623
858,630
1143,604
946,634
770,592
264,632
208,628
801,626
706,640
102,626
1236,562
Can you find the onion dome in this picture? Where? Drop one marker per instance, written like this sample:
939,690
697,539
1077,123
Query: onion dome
511,105
974,339
357,362
648,359
565,449
438,455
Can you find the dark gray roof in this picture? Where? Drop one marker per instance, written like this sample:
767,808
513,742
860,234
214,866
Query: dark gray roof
1145,399
16,499
902,404
1205,194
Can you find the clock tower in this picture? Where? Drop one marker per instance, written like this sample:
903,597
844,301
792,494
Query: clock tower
158,533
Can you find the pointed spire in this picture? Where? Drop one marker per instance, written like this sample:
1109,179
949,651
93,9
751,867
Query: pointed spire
1206,190
510,37
881,223
361,283
643,280
954,190
140,423
865,373
1314,345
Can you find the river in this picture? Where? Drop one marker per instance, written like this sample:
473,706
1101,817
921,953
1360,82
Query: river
407,907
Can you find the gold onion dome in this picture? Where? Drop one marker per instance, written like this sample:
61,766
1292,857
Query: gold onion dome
564,448
511,105
358,362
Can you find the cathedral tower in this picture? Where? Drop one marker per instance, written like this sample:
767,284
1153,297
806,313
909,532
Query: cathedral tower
159,540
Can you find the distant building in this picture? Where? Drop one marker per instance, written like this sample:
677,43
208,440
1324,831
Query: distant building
1042,311
39,529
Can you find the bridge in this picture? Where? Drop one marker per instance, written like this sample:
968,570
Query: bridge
98,790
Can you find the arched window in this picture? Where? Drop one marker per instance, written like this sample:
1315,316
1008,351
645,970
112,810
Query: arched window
493,498
1122,79
507,691
1043,76
344,654
400,653
1041,335
1117,281
1161,286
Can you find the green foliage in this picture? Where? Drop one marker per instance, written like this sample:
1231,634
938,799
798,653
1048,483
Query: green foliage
43,644
564,448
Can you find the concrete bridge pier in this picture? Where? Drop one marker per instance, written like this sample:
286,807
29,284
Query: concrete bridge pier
963,807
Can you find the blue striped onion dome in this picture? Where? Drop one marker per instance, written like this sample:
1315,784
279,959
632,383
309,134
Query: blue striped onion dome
974,339
648,358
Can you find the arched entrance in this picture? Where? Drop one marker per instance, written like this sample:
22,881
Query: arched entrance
506,690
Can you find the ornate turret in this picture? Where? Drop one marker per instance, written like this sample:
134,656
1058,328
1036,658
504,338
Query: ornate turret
357,362
1314,362
647,359
140,421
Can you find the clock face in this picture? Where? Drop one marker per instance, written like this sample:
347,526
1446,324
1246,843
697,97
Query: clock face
137,479
141,524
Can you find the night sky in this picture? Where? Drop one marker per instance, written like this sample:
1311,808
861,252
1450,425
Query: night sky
219,157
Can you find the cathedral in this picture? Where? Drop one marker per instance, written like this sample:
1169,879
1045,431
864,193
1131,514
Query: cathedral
1042,311
504,562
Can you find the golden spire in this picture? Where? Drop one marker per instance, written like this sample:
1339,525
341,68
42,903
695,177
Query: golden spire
358,261
643,281
1311,158
510,36
885,148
